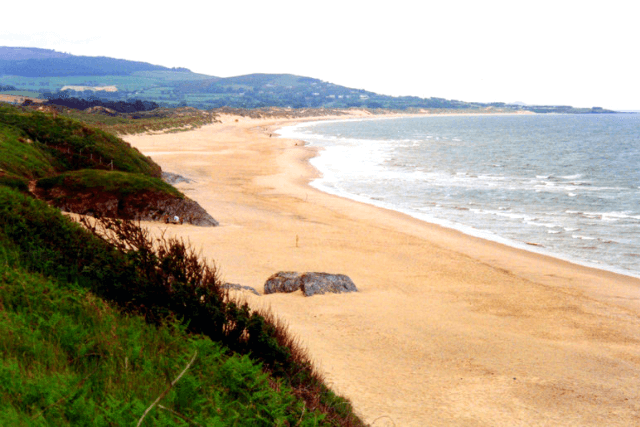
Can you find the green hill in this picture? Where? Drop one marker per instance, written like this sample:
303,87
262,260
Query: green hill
47,73
60,144
32,62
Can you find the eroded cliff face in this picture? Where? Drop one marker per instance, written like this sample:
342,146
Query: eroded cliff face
146,206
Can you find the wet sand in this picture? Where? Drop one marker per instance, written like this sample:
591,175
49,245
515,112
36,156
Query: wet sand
446,329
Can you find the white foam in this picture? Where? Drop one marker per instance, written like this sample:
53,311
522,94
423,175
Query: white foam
369,163
575,236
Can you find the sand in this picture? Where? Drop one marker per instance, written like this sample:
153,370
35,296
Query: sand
446,329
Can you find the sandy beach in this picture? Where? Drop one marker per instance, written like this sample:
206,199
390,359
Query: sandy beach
446,329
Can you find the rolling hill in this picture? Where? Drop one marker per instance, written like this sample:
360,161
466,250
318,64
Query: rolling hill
45,73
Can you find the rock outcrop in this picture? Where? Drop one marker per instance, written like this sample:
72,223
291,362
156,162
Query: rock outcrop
144,206
174,178
238,287
283,282
309,283
322,283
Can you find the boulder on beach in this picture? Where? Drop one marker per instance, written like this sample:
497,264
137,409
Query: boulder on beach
321,283
282,282
309,283
238,287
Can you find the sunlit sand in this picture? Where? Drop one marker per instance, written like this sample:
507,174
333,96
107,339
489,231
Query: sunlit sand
446,329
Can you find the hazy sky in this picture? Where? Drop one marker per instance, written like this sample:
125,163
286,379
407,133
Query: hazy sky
580,53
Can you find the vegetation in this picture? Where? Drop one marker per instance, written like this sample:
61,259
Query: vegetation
98,318
63,144
66,357
69,358
160,119
122,183
82,169
69,65
116,106
48,72
20,156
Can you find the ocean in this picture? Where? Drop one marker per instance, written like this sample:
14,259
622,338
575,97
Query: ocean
562,185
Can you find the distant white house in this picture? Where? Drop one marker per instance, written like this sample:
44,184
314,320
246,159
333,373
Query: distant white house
91,88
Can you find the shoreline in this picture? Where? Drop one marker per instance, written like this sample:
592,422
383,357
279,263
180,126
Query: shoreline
455,233
446,329
463,228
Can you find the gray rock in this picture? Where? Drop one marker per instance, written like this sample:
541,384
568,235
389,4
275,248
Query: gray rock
309,283
187,209
174,178
283,281
240,288
321,283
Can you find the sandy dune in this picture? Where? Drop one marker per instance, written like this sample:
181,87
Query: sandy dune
446,329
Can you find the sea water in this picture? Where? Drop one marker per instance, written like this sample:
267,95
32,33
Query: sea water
563,185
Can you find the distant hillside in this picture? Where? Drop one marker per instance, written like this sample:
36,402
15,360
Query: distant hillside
287,90
27,62
44,73
23,53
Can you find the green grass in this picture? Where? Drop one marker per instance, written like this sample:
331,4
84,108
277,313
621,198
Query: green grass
138,82
69,358
52,366
122,183
13,181
19,155
97,320
162,119
72,145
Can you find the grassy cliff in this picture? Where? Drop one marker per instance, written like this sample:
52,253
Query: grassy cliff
85,170
63,144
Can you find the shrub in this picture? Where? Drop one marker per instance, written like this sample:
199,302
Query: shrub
69,358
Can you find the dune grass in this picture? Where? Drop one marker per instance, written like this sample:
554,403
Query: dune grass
159,120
